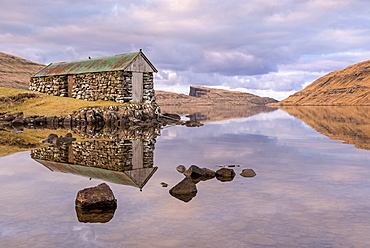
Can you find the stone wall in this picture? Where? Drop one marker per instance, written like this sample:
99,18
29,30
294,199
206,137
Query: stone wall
107,86
148,86
110,155
55,86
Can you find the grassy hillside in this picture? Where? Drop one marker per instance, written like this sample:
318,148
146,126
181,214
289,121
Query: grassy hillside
349,86
15,72
34,103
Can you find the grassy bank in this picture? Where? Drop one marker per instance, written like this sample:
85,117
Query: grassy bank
35,103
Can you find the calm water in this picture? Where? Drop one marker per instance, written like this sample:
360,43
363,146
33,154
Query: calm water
310,191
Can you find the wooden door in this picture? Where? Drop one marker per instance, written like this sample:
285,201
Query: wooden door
137,154
137,86
70,85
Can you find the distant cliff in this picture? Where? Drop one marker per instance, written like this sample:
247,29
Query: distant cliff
15,72
202,96
349,86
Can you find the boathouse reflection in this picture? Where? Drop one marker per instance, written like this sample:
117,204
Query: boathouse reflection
127,162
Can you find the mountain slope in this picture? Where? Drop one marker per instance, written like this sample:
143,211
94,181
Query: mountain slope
349,86
209,96
15,72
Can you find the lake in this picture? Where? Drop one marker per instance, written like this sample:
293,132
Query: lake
312,187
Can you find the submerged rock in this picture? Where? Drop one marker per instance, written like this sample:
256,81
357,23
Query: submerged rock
100,196
225,174
248,173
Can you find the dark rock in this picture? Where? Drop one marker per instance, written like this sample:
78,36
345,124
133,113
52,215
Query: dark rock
100,196
193,172
68,138
248,173
51,120
39,120
50,139
184,190
86,215
18,121
8,118
193,124
174,117
203,174
181,168
225,174
58,141
164,184
207,173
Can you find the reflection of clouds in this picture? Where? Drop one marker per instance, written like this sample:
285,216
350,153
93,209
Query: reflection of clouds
85,233
306,186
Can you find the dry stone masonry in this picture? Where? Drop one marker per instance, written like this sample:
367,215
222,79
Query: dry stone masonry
106,86
109,155
120,78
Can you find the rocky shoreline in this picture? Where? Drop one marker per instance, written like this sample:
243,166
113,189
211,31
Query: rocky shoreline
119,116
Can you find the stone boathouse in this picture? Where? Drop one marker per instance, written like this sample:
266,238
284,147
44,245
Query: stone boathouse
120,78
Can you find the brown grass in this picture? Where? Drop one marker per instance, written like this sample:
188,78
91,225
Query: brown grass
34,103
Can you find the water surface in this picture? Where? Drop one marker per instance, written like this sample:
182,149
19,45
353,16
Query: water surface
310,191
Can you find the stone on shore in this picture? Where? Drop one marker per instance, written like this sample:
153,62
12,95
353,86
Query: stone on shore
100,196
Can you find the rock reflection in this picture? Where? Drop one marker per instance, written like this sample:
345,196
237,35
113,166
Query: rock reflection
96,204
348,123
94,215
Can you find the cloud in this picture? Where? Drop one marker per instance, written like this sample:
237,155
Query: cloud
239,44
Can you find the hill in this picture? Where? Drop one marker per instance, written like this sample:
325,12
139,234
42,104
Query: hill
349,86
201,96
15,72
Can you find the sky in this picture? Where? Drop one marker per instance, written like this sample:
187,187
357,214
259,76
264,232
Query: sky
269,48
